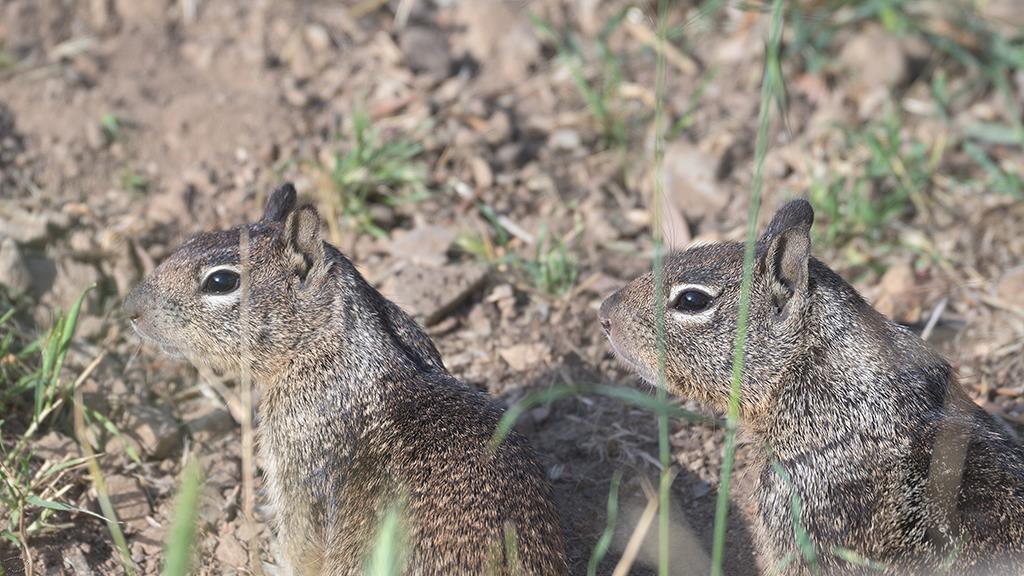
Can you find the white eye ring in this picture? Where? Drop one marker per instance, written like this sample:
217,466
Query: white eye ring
233,295
677,290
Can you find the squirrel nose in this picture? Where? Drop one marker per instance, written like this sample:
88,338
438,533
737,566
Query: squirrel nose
132,307
607,308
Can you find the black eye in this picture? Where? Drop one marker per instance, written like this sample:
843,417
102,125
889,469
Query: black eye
692,301
221,282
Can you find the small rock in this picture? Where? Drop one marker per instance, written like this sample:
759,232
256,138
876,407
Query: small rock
897,297
209,422
430,294
149,12
501,38
874,62
690,184
150,541
317,38
426,244
230,551
72,277
54,447
157,431
564,139
483,177
75,560
129,500
29,227
499,128
426,51
1011,287
13,272
520,357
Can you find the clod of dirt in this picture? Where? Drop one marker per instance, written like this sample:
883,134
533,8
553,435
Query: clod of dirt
426,51
898,296
208,422
130,501
157,432
1010,288
874,63
13,272
691,187
426,244
30,227
501,37
520,357
430,294
53,447
75,560
230,552
72,277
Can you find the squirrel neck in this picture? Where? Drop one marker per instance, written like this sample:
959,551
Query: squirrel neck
859,369
353,340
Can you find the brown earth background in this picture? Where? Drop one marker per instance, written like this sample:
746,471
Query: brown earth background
489,165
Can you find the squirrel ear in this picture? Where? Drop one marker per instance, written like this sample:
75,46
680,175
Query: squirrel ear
280,203
302,240
792,214
785,264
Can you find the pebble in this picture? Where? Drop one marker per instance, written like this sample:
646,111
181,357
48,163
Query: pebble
425,244
13,272
426,51
130,501
157,431
430,294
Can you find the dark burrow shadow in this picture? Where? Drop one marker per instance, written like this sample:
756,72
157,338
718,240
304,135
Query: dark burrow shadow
582,441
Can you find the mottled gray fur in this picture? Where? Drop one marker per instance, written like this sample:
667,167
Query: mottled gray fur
889,457
357,412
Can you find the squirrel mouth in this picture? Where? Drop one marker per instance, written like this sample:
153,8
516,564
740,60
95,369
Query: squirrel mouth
629,361
167,347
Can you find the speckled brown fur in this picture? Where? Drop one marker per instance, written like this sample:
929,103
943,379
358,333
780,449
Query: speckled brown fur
357,412
889,457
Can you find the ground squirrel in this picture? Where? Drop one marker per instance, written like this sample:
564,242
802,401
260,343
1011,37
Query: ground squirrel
889,457
356,409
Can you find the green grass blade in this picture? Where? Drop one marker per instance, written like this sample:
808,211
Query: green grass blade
181,539
386,557
605,541
770,90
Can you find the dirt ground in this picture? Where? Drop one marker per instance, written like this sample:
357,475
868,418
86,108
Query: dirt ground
128,125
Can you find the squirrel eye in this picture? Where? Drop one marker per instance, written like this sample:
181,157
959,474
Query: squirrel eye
692,301
221,282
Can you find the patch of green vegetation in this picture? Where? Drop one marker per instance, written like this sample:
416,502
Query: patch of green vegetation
33,399
7,60
602,92
181,538
111,126
375,170
893,173
551,270
387,557
132,181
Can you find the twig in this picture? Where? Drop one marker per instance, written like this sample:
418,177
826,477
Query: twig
640,532
100,484
403,12
646,36
248,440
464,191
1001,304
934,318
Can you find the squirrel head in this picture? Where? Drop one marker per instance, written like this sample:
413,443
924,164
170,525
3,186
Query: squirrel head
227,292
701,300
